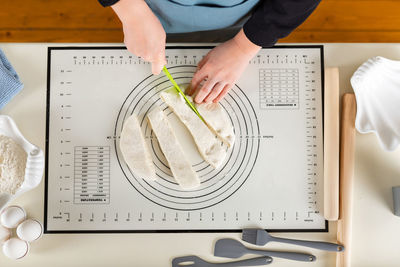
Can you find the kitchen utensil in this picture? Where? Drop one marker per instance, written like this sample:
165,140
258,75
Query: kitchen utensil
243,172
396,200
165,70
198,262
376,85
34,164
261,237
347,143
231,248
331,145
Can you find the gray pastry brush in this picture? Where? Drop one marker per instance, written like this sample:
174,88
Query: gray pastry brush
261,237
231,248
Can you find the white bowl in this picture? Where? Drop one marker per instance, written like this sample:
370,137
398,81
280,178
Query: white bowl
34,164
376,84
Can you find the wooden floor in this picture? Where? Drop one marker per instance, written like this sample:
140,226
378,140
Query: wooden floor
87,21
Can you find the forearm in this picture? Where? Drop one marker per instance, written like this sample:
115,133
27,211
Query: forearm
275,19
126,10
144,36
245,45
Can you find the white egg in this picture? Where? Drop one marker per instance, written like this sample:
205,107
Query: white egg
5,234
29,230
15,248
12,216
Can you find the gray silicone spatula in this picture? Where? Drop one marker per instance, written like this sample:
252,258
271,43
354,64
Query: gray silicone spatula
231,248
195,261
261,237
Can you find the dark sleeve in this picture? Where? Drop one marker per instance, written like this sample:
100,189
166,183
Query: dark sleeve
275,19
106,3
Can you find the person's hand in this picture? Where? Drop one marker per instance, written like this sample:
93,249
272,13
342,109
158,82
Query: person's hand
144,35
218,71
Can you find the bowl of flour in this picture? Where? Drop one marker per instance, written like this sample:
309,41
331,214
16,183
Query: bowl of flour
21,163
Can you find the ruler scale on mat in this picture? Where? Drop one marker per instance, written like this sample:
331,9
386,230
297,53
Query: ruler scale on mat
272,178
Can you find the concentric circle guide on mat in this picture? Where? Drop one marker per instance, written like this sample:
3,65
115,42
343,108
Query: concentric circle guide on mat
216,185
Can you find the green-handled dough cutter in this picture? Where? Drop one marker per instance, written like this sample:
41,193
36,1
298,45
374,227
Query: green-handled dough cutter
165,70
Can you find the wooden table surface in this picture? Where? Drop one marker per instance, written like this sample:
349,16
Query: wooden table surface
88,21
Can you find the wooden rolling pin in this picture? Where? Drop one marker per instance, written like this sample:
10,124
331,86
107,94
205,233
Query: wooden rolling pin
331,145
347,144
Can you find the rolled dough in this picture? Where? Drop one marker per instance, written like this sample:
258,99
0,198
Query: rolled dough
135,150
180,167
210,147
218,121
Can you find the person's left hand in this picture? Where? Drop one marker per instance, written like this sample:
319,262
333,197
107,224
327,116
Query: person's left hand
218,71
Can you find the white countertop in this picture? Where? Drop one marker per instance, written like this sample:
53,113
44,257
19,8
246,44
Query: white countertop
376,231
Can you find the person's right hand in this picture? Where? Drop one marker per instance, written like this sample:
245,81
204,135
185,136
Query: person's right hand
144,35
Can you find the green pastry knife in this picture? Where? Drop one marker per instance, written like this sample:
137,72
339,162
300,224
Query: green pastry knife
165,70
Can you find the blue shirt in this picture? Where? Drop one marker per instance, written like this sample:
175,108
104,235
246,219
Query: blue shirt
269,21
179,16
